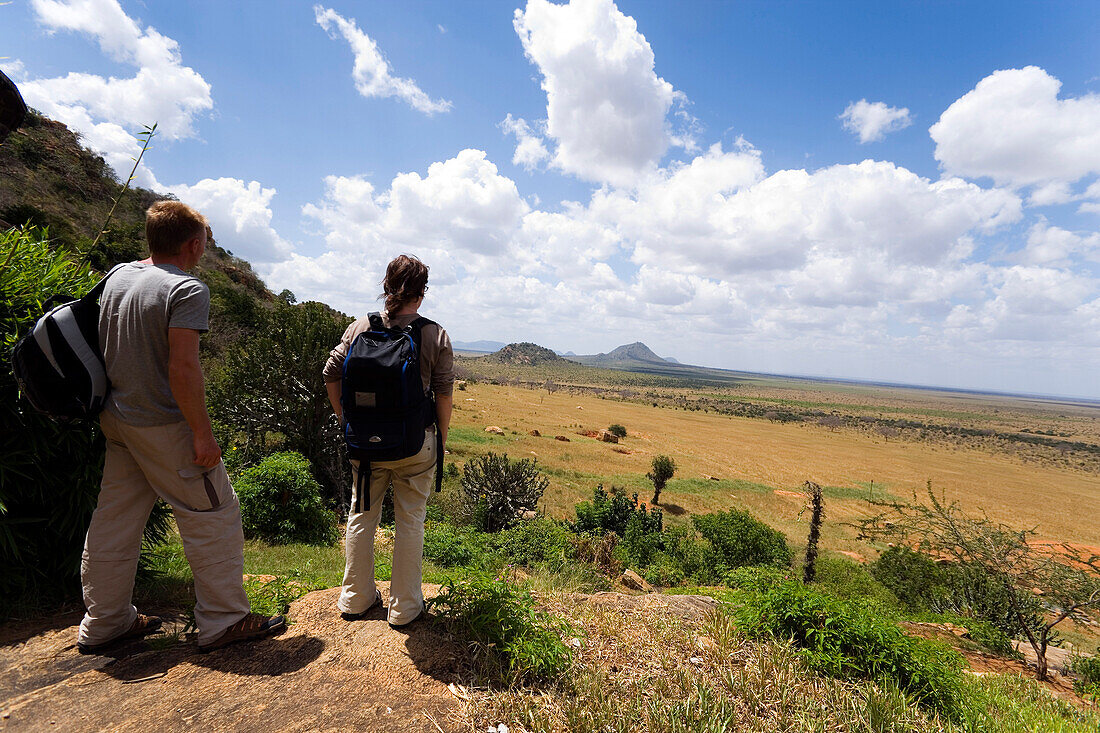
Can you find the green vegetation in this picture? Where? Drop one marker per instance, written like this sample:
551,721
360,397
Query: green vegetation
504,629
49,472
740,539
617,430
848,640
281,502
497,491
662,470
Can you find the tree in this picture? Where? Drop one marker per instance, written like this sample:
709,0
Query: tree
496,491
617,430
1065,582
549,385
269,395
817,515
663,469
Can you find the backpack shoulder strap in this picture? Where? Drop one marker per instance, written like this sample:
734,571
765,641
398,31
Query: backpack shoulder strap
93,295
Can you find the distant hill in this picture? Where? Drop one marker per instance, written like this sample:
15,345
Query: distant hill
524,353
636,351
672,360
484,346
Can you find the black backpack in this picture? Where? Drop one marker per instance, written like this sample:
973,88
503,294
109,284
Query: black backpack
386,410
59,364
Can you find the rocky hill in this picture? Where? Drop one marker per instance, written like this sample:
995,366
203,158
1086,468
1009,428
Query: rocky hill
524,354
636,351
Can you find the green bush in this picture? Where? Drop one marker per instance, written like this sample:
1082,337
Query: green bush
642,538
694,558
617,430
509,636
49,472
496,491
1088,671
606,512
281,503
539,542
741,539
851,581
449,546
923,585
850,640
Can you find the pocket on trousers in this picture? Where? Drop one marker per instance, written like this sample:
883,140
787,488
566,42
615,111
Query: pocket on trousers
207,488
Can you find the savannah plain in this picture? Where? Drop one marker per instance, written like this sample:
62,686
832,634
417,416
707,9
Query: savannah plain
751,441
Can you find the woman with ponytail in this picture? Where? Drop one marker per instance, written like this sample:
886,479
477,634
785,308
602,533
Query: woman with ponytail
404,287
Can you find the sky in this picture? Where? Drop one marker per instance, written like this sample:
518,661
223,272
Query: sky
905,192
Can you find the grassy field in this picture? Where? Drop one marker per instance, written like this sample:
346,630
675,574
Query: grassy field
759,463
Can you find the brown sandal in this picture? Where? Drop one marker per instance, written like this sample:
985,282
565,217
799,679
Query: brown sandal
252,626
143,626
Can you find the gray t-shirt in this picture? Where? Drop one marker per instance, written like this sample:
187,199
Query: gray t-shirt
139,304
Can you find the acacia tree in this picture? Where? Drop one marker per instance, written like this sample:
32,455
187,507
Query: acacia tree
817,516
1065,582
663,469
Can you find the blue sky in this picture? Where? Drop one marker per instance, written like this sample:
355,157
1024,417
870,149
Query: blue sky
895,191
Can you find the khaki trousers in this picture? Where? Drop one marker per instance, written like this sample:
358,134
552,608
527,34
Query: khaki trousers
412,479
142,464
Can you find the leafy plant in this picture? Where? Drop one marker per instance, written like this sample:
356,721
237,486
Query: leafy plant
281,503
538,542
606,512
449,546
617,430
497,491
49,472
741,539
1063,581
663,468
506,632
851,640
1087,670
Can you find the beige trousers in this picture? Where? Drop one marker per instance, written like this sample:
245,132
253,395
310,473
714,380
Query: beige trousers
412,478
142,464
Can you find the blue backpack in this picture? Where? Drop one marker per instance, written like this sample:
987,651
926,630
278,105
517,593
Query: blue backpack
386,409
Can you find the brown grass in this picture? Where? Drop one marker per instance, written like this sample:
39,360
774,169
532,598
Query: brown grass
776,456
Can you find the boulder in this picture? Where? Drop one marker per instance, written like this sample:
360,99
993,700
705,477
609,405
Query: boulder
635,582
535,433
562,438
495,430
608,437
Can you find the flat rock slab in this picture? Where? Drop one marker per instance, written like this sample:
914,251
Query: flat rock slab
321,674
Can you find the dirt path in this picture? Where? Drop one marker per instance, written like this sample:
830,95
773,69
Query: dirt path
321,674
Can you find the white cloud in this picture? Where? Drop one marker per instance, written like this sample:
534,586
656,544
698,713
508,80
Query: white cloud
530,149
1053,246
240,215
606,108
1013,128
108,111
872,121
372,72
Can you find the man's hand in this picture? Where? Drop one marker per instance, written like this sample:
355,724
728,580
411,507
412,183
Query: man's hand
207,452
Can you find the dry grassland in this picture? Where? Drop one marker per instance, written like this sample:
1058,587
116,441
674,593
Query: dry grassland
760,464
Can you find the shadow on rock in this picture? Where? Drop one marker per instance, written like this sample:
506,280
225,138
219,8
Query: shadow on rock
433,651
270,657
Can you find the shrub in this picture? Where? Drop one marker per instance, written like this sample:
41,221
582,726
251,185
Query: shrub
504,629
741,539
617,430
606,513
539,542
851,640
1087,670
693,557
281,502
449,546
496,491
49,472
851,581
642,538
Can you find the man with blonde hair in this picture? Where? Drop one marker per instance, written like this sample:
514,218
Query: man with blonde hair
160,444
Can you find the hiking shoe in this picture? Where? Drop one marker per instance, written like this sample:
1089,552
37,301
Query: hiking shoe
363,614
143,625
252,626
418,617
